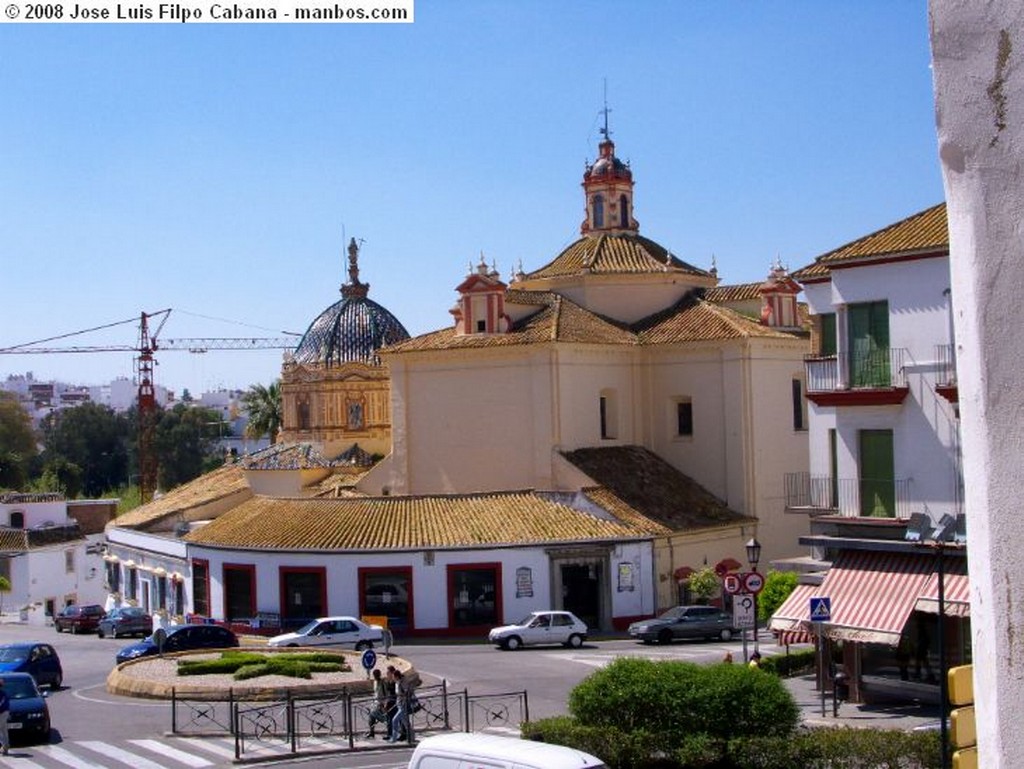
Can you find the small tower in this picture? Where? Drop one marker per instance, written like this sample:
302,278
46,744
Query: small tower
608,188
480,308
778,298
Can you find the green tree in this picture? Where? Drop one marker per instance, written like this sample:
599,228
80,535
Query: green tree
777,587
17,443
185,443
704,584
263,405
92,438
5,587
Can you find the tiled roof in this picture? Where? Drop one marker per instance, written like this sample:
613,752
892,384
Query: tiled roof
287,456
210,487
380,523
614,254
741,292
561,320
652,488
923,232
558,320
692,319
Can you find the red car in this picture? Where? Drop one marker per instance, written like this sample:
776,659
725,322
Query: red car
79,619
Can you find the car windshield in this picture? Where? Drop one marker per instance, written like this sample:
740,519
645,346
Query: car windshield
10,654
307,628
20,688
131,611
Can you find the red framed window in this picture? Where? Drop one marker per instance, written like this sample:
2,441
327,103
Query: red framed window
303,593
201,587
239,591
386,591
474,595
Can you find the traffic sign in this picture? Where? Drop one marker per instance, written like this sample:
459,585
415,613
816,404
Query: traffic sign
369,659
821,609
731,583
743,612
753,582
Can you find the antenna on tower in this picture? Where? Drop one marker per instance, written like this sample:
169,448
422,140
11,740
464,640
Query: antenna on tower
605,112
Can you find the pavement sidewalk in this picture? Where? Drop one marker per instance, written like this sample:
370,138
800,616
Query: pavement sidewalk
882,716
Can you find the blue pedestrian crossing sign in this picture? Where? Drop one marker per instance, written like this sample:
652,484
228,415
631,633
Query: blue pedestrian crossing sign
821,609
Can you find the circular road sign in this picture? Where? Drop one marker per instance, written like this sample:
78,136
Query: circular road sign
369,659
753,582
731,583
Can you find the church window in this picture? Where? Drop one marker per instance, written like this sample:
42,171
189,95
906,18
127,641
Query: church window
684,418
598,204
623,211
608,414
303,414
355,416
481,326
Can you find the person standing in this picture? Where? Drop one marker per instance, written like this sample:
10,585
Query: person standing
379,714
5,712
403,695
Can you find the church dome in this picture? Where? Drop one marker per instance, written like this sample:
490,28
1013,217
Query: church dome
349,331
352,330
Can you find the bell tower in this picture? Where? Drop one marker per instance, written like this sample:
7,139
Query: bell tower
608,189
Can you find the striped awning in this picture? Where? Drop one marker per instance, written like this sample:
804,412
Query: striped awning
791,621
873,594
956,590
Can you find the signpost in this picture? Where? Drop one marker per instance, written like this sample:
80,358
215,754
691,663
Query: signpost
821,611
732,584
744,616
368,660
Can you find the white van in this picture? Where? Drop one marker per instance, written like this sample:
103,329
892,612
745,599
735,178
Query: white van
487,751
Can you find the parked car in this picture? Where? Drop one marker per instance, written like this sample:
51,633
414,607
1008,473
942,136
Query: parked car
541,627
181,638
29,715
332,631
125,621
36,659
684,622
79,619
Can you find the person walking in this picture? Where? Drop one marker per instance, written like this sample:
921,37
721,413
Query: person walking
379,714
403,695
5,712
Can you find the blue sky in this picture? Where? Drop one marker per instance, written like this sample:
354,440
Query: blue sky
214,169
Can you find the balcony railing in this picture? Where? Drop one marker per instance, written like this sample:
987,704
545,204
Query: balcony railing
874,497
866,369
945,357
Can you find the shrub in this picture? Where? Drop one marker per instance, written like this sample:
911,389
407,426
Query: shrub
244,665
839,748
680,698
786,664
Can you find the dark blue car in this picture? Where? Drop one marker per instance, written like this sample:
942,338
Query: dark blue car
29,717
37,659
181,638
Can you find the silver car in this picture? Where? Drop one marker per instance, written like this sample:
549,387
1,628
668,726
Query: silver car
333,631
684,622
541,627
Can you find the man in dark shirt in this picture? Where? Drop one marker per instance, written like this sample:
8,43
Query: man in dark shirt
5,709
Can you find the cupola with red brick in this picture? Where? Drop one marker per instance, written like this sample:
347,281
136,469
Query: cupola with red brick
608,187
778,299
480,308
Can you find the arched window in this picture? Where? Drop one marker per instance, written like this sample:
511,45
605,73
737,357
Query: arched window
623,211
17,520
598,211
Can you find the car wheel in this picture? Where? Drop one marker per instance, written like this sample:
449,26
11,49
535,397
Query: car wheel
513,643
726,634
101,634
56,682
363,646
74,630
56,626
575,641
113,631
665,636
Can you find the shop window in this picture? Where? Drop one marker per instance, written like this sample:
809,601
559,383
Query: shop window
239,592
303,594
387,593
473,594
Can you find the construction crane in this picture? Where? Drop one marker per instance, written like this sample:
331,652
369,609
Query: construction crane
144,350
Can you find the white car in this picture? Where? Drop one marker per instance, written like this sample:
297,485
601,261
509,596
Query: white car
541,627
333,631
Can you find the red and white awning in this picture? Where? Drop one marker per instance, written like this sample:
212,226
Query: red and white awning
956,590
791,621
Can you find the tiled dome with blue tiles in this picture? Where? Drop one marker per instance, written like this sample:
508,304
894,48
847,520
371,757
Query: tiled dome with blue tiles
351,330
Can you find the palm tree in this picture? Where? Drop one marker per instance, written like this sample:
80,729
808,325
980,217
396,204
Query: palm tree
263,405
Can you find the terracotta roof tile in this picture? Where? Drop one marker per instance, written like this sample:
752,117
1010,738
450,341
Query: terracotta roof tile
287,456
210,487
617,254
693,319
741,292
925,231
648,485
379,523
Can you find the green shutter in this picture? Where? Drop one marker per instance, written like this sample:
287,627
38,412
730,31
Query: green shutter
877,478
869,344
827,343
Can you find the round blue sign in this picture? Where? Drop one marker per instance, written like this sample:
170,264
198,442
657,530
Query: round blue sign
369,659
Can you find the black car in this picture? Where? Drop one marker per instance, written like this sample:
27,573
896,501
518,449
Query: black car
181,638
29,716
684,622
125,621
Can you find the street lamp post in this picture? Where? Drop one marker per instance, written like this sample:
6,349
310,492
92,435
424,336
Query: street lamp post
753,556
